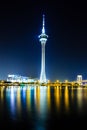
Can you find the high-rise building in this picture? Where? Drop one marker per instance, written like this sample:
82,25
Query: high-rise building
43,39
79,79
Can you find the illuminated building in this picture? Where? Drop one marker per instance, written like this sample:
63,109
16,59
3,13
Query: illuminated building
19,78
43,39
79,79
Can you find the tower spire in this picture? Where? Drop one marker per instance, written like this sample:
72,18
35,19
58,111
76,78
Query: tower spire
43,28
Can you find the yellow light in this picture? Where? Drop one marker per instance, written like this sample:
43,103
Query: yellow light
48,81
57,81
66,81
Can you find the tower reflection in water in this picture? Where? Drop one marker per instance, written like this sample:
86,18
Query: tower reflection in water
42,100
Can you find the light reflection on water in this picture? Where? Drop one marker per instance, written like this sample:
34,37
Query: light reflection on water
40,104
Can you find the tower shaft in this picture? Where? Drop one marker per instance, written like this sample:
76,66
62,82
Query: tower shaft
43,74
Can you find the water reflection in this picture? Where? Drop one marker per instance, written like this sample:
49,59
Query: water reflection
11,101
61,99
82,101
1,100
38,103
37,98
57,94
19,101
41,100
79,97
1,92
48,98
28,99
66,99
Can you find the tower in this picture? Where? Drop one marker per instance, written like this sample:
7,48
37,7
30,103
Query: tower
43,39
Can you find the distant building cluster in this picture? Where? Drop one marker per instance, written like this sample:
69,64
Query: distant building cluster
19,78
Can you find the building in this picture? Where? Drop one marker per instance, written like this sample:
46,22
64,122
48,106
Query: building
79,79
19,78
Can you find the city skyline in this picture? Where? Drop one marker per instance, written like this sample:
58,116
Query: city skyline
20,51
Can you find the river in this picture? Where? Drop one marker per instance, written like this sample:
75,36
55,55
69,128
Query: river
42,108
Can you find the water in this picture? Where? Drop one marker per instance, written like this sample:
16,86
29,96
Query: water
42,108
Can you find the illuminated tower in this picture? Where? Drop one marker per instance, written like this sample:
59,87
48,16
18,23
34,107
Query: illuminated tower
43,38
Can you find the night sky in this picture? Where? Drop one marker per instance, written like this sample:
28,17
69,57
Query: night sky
66,48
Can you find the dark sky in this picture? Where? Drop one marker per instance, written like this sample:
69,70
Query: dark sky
66,48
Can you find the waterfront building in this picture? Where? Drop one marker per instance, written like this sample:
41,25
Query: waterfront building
19,78
43,39
79,79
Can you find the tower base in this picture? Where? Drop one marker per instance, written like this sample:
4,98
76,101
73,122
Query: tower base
43,78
